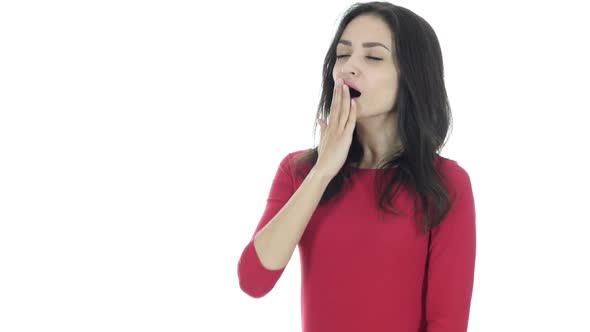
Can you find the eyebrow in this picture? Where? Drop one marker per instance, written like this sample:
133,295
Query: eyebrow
367,44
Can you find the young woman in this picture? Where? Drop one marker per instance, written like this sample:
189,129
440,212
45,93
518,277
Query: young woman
385,226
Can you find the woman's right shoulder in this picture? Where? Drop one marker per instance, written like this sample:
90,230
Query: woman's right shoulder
298,153
292,155
292,159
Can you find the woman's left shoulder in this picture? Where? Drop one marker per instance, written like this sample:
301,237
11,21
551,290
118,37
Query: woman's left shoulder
450,167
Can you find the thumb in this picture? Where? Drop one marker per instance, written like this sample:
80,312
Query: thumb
322,126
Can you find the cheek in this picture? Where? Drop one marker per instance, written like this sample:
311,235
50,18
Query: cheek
381,97
335,70
388,89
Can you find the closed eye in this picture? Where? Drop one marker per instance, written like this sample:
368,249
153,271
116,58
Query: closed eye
370,57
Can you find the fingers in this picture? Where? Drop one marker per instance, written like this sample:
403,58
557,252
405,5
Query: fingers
350,124
322,128
340,110
344,107
335,106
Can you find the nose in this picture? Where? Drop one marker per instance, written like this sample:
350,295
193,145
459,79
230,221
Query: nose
349,67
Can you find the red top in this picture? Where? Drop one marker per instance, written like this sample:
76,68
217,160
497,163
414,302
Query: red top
363,272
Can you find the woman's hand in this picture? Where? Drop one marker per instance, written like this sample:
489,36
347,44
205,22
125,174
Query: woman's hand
336,135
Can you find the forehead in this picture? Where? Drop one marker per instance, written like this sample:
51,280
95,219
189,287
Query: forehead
367,28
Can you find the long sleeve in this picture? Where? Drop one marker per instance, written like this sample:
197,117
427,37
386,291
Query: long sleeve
255,279
452,260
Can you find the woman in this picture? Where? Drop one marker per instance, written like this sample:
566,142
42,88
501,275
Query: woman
365,267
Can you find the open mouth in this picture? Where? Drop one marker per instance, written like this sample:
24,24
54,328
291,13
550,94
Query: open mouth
354,93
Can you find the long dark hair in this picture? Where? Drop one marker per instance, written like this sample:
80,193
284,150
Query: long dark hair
423,114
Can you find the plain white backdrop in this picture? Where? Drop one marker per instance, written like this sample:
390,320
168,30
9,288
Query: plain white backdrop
139,139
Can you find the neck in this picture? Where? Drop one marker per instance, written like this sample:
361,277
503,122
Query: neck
378,138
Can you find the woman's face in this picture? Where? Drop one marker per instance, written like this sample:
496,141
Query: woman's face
370,67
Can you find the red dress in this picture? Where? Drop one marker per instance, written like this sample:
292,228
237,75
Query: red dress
367,271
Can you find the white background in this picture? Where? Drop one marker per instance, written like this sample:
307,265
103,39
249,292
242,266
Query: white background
139,139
